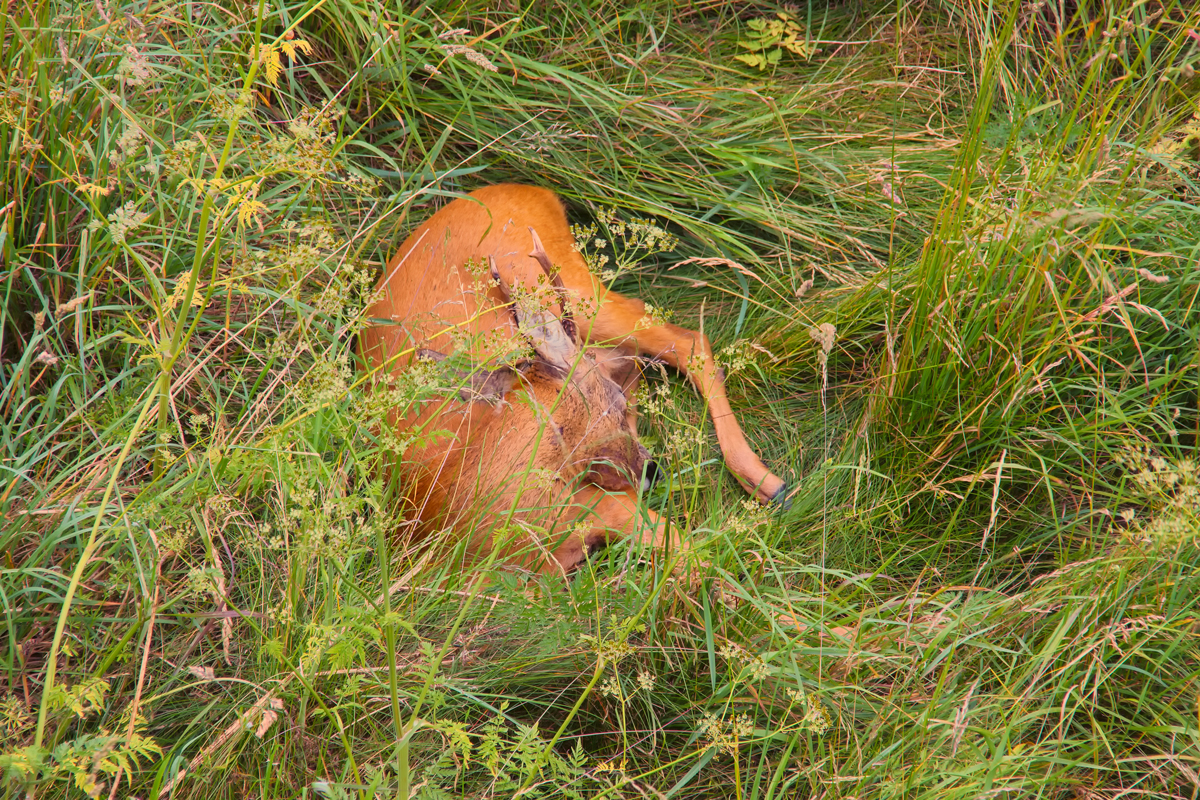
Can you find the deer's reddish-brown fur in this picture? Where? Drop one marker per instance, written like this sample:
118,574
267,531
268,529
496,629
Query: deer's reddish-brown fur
561,413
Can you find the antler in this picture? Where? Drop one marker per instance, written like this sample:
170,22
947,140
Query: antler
540,255
504,290
549,337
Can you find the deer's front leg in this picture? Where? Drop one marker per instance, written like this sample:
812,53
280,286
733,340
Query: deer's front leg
689,352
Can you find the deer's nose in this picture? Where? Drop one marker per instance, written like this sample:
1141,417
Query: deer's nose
650,473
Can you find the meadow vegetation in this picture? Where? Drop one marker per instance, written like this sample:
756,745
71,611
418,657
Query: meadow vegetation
949,254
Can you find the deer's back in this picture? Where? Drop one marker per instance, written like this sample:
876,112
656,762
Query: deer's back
435,289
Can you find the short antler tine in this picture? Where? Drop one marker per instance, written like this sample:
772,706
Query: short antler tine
503,286
540,255
496,274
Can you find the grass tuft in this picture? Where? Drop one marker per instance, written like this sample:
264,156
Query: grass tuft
947,253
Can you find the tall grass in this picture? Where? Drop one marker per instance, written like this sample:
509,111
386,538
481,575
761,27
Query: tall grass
985,584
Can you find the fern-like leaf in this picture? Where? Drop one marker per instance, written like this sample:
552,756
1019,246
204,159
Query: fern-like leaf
294,46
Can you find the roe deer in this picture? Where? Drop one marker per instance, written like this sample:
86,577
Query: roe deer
561,413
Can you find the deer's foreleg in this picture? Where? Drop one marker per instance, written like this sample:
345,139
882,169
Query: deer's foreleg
619,321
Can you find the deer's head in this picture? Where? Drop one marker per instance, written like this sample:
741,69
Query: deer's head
572,403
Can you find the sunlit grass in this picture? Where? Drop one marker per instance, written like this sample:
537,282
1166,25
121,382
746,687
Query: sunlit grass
949,263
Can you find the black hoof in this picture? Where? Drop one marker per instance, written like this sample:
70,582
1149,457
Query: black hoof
781,499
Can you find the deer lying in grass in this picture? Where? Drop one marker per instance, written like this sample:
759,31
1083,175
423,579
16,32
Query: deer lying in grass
545,448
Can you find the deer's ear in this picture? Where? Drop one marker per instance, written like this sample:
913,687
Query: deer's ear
487,385
620,366
490,385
